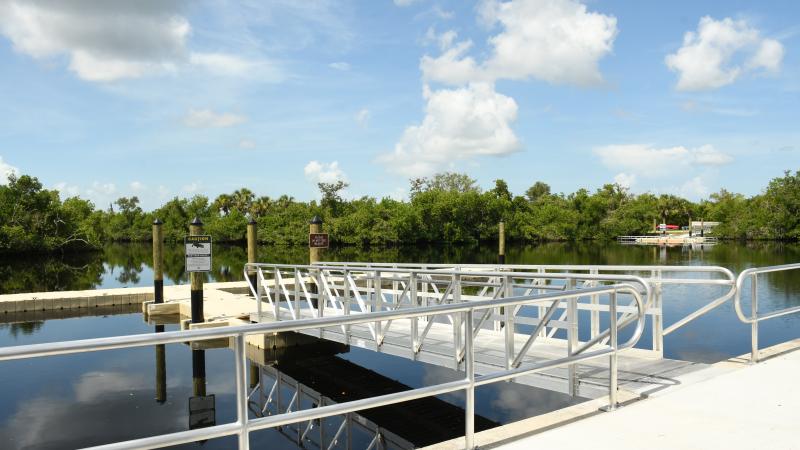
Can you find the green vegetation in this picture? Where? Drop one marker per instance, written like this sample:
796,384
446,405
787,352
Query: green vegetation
446,208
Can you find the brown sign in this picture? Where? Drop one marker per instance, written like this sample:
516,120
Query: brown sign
318,240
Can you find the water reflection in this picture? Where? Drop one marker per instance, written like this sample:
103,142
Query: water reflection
131,264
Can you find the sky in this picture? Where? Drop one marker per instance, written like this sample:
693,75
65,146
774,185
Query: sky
165,98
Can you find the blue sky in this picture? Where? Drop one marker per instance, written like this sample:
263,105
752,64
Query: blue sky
164,98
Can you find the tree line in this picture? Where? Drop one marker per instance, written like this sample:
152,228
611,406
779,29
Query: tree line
445,208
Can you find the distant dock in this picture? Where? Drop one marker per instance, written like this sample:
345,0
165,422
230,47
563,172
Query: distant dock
667,239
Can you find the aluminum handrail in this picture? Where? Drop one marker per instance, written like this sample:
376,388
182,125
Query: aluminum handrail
243,425
727,278
755,317
458,273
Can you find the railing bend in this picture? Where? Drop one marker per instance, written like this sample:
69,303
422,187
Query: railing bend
755,317
244,425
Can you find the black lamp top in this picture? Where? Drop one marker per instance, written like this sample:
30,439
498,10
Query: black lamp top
197,222
252,221
316,220
158,221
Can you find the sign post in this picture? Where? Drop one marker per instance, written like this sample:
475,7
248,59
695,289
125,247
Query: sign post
198,261
198,253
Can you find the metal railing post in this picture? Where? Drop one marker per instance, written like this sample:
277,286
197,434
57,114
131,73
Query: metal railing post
469,404
277,295
296,293
595,314
658,317
258,293
754,324
412,295
612,359
457,319
572,336
378,295
508,288
241,391
346,305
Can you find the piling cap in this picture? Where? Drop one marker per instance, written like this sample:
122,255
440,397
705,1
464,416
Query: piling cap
158,221
197,222
316,220
252,221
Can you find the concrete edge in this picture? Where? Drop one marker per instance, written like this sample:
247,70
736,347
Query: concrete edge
505,434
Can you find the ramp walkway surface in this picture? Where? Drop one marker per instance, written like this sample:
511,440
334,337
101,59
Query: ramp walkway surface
754,407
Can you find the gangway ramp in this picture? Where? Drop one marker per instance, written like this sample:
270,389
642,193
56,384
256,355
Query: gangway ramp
542,330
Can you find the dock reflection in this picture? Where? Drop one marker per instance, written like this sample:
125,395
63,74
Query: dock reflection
312,375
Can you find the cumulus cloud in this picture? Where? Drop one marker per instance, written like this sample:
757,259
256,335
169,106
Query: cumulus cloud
459,124
67,190
362,117
341,65
137,186
720,51
558,41
247,144
320,172
104,41
224,64
404,2
625,180
206,118
649,161
6,170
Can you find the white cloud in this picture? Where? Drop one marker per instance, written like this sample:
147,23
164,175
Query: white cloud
247,144
224,64
6,170
459,124
625,180
206,118
99,188
557,41
452,66
694,189
67,190
362,117
104,41
137,186
324,172
647,161
720,51
340,65
191,188
402,3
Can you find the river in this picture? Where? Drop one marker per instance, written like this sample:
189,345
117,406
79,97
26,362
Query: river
94,398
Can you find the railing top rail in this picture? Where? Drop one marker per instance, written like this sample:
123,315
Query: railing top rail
737,303
139,340
612,267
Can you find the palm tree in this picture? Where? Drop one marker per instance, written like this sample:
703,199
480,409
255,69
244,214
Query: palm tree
243,199
223,203
261,206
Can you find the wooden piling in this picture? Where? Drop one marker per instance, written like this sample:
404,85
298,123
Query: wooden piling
196,228
501,244
314,227
252,247
161,369
314,254
158,262
199,373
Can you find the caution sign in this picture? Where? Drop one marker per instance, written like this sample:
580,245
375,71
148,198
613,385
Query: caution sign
202,412
318,240
198,253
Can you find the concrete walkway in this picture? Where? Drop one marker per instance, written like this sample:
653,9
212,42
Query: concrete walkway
755,407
